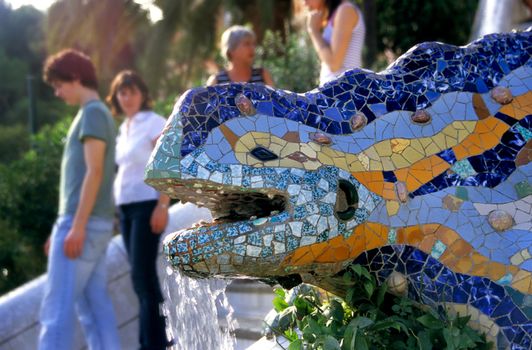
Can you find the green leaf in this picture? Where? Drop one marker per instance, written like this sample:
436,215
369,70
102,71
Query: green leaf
303,306
280,292
424,340
287,317
337,311
279,304
369,288
313,326
381,293
461,322
366,273
291,335
330,343
347,277
430,321
350,335
361,343
448,339
385,324
357,269
349,296
296,345
362,322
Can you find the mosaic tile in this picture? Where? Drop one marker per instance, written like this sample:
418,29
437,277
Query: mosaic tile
423,199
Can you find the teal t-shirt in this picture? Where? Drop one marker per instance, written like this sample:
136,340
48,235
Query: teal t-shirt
93,120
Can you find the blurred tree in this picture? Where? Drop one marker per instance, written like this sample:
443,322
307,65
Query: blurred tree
291,60
189,33
21,55
402,24
111,32
29,192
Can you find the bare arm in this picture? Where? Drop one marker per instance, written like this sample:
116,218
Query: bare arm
159,215
94,152
333,55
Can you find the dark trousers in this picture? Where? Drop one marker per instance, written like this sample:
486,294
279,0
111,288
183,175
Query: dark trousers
142,247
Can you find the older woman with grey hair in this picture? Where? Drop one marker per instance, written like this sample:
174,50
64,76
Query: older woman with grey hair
238,48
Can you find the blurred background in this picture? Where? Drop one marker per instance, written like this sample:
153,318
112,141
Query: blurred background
174,45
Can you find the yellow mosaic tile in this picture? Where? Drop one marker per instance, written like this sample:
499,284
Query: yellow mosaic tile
399,161
392,207
519,257
364,161
384,148
399,145
412,155
417,146
439,140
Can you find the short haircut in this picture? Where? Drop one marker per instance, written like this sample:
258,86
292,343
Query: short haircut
69,65
231,37
128,79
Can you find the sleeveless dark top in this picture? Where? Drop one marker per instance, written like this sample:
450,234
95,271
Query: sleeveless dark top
256,76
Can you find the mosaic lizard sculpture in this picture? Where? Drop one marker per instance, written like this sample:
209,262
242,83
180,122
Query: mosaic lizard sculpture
421,172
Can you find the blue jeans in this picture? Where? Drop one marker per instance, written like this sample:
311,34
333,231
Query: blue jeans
142,246
78,283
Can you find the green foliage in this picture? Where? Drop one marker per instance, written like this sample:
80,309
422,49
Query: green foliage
21,56
29,192
17,258
402,24
14,141
368,318
165,106
291,61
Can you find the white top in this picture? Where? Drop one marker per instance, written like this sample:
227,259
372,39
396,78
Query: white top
353,55
134,144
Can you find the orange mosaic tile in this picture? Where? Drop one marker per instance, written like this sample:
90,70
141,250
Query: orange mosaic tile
230,136
520,107
366,236
525,155
480,107
421,172
486,135
374,181
413,235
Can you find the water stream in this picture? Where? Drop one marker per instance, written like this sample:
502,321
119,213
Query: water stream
199,314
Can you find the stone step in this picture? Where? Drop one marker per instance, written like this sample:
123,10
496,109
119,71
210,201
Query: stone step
251,301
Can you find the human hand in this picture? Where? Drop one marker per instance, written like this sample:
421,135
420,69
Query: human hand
159,219
314,21
74,240
46,246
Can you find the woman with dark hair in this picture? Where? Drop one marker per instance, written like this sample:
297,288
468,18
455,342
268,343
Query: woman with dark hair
337,30
143,211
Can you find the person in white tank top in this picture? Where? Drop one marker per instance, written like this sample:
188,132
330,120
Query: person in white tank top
337,30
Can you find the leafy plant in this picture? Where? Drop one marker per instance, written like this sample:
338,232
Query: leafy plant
368,318
291,60
29,192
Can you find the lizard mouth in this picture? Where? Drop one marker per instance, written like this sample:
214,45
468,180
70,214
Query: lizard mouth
230,205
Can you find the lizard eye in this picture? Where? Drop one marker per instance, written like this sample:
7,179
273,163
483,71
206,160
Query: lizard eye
346,200
263,154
